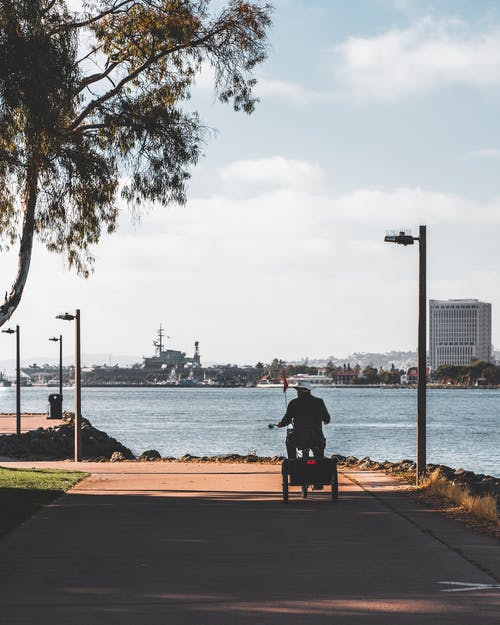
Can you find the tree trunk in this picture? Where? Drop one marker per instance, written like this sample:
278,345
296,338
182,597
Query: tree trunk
29,199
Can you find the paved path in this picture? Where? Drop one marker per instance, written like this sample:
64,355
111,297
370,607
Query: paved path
28,422
212,544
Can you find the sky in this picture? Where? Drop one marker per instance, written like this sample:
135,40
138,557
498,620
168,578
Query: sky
375,115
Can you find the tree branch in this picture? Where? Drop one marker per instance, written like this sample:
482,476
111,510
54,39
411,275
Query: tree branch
95,18
48,7
91,106
97,77
93,50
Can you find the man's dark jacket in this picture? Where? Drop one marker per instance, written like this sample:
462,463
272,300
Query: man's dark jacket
306,413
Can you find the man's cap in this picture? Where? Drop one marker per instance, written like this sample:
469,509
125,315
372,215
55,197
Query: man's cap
304,385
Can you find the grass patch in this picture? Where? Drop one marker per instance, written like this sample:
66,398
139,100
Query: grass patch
24,491
482,507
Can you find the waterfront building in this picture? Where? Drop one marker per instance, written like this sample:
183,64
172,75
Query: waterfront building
459,332
411,376
345,376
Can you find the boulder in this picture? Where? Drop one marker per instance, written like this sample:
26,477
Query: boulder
150,454
117,456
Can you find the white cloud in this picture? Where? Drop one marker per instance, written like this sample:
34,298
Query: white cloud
291,91
486,153
275,171
427,55
225,270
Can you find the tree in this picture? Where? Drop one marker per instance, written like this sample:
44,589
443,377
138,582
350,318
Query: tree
302,368
69,133
330,368
276,369
370,375
492,374
393,376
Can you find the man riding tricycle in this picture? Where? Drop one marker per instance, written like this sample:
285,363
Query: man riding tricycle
306,414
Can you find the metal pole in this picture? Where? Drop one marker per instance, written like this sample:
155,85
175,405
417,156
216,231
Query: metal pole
18,382
78,388
60,366
422,359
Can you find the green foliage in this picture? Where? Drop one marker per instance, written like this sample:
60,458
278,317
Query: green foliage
330,368
470,375
369,376
71,137
40,479
24,491
491,374
302,368
393,376
276,369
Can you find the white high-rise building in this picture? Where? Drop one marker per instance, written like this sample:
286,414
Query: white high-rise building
459,332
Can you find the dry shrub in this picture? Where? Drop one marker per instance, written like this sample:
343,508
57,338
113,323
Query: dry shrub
483,507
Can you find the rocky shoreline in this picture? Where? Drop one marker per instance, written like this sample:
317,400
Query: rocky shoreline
57,443
479,484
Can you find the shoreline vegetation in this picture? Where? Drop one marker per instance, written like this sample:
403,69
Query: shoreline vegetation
477,494
430,386
479,374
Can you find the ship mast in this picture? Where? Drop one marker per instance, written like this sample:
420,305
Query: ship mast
196,357
159,343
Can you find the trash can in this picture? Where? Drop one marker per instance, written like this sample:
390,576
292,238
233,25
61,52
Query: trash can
55,406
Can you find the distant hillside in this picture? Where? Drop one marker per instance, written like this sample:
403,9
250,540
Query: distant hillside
68,359
401,360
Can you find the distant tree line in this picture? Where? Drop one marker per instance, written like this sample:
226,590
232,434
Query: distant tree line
477,373
277,369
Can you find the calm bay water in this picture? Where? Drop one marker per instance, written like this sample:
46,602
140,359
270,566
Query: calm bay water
463,426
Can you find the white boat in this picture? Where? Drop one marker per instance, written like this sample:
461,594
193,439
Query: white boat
267,384
319,380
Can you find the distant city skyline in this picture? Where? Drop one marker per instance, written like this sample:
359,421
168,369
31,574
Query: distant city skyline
401,360
384,117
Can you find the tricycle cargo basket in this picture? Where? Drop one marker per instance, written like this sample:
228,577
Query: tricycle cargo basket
310,470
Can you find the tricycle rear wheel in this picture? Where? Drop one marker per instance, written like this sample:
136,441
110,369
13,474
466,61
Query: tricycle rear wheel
335,484
285,488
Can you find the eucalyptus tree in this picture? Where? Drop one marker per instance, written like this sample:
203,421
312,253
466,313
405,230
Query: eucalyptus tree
93,106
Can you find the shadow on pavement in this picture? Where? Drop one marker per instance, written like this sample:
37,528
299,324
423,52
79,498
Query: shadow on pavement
223,558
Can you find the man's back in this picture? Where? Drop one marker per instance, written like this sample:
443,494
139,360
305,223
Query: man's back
307,413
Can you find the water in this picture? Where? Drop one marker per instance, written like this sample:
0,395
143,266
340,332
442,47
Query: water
462,425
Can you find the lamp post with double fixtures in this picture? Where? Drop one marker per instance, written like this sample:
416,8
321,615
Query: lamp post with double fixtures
78,382
406,239
18,376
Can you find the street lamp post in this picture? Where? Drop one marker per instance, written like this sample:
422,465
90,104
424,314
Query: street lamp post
18,376
78,382
55,339
406,239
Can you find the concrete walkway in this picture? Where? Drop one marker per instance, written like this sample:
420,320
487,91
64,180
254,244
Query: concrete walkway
212,544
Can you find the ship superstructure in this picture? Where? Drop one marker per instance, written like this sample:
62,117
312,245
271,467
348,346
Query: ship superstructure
170,358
